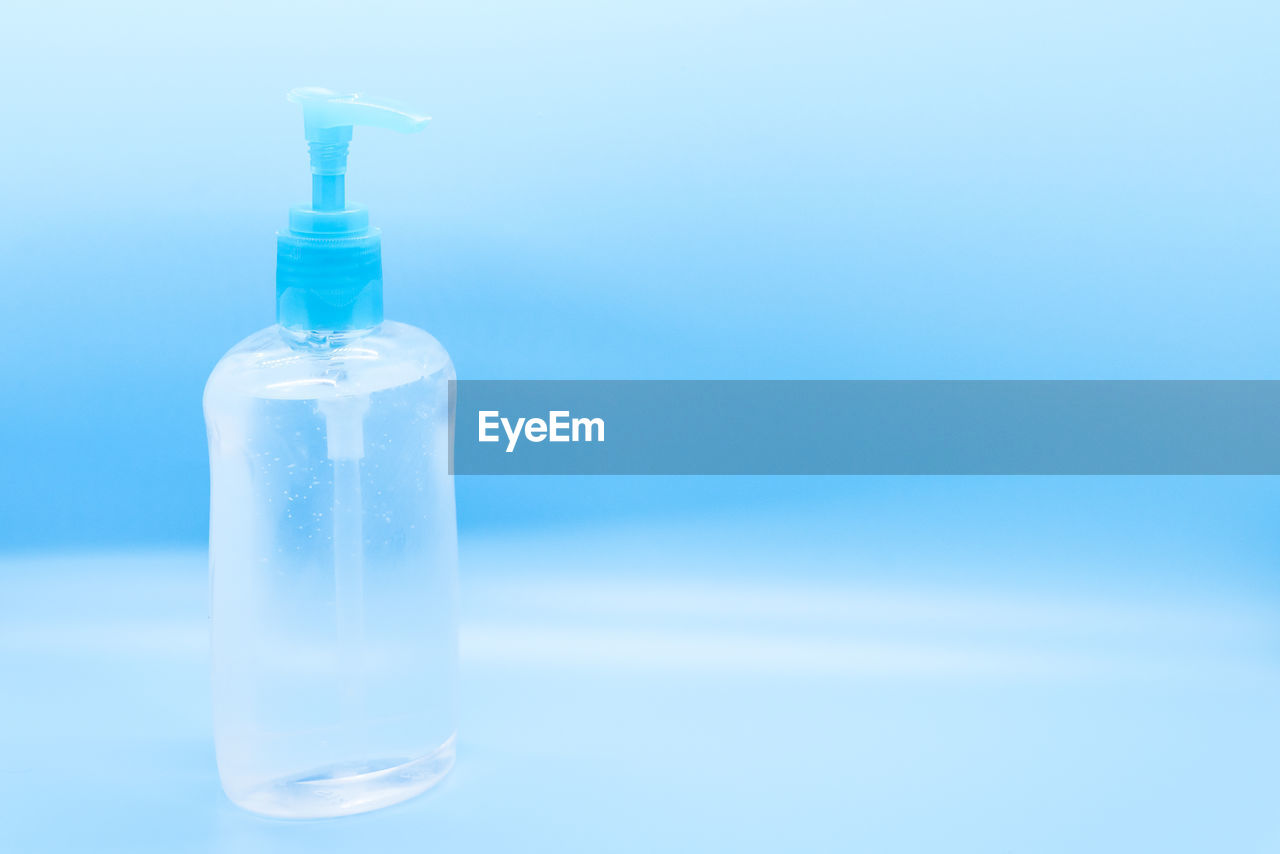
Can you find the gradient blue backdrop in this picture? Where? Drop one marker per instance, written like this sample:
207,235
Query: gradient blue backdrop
656,190
990,189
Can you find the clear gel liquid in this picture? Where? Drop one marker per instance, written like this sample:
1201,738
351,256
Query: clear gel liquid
333,560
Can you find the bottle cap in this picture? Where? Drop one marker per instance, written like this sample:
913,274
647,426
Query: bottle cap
329,261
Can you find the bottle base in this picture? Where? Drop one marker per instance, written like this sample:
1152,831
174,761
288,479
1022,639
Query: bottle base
348,788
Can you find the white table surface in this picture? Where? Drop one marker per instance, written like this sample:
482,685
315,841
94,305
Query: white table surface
670,705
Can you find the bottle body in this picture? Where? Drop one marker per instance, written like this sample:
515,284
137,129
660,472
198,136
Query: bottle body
333,569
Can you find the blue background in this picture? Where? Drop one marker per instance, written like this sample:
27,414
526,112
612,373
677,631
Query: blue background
1059,190
648,190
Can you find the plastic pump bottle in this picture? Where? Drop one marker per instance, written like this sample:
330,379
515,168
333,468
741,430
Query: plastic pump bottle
333,541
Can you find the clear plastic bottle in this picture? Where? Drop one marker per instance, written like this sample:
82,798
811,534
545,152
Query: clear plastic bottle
334,562
333,540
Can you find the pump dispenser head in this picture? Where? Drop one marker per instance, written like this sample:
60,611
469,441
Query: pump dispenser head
329,261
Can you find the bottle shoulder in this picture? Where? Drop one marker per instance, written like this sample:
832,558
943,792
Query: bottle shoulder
273,363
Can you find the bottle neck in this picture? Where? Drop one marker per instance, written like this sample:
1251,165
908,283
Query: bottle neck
321,340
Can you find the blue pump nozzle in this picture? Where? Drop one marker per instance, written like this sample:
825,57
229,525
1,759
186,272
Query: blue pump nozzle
329,261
